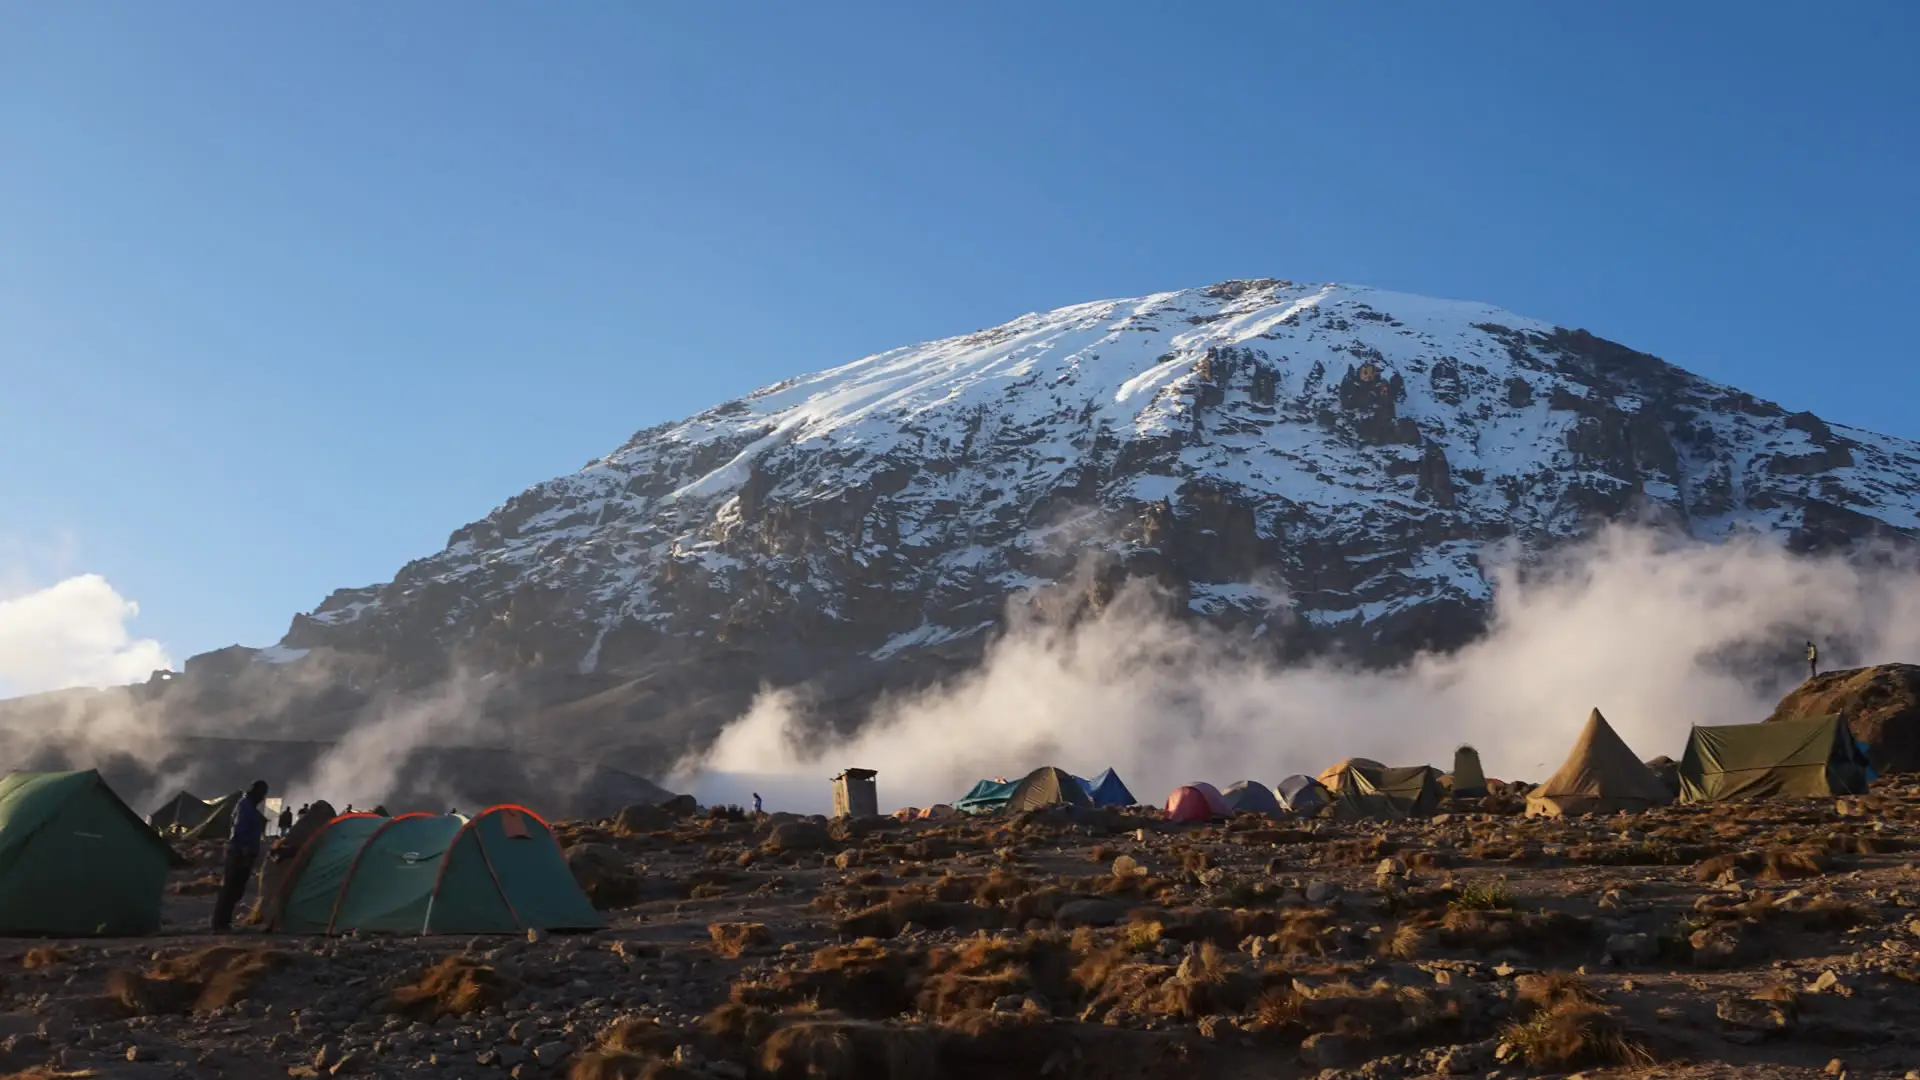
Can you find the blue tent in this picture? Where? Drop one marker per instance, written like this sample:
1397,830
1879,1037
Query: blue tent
987,796
1107,790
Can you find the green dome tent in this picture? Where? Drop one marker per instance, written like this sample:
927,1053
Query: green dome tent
499,872
1047,786
75,860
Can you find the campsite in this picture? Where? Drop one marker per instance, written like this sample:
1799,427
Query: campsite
1752,907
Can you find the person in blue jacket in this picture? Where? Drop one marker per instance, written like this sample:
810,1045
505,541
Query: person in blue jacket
243,850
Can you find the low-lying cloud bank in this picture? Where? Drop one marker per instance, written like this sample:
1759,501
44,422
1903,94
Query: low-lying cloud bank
1659,634
73,633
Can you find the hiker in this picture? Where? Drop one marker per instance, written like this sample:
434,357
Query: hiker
305,809
286,820
1813,660
243,848
756,802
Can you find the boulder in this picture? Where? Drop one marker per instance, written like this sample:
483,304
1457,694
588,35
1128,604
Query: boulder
1881,704
641,818
604,874
1088,912
797,836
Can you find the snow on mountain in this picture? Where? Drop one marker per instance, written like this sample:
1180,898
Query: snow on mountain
1325,464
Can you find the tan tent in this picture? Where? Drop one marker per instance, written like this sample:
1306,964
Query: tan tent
1600,776
1330,779
1469,782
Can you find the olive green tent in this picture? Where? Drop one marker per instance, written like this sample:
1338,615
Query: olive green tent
1047,786
1752,761
1365,789
499,872
181,813
1469,782
218,822
1600,776
75,860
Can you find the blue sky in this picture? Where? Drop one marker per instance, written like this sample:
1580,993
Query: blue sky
288,293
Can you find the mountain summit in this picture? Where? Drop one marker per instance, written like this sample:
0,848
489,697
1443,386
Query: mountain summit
1318,466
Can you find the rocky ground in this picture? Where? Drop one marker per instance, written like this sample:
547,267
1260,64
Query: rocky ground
1776,939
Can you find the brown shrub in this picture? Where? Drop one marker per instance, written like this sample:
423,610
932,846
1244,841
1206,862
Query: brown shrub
1530,930
202,981
639,1035
205,885
1402,941
738,1024
864,979
44,956
835,1048
455,986
976,973
1554,989
732,939
1792,863
614,1065
1575,1034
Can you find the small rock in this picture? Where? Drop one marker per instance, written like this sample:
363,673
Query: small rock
1009,1003
347,1064
1717,946
1089,912
1127,866
1829,983
551,1053
487,1057
688,1056
137,1053
1836,1067
1320,892
511,1055
1632,948
1328,1051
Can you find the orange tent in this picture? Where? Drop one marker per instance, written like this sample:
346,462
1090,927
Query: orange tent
1188,804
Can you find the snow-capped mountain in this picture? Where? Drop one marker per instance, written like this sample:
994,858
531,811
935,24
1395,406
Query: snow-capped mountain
1321,465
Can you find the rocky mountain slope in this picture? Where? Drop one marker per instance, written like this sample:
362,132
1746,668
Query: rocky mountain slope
1315,466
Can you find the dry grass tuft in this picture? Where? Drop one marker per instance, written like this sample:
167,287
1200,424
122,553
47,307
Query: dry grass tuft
1400,942
833,1048
455,986
202,981
733,939
1555,989
1575,1034
44,956
614,1065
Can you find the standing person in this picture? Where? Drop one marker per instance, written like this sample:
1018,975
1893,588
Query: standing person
756,802
1813,660
286,820
243,850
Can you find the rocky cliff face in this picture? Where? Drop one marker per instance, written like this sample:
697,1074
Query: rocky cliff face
1320,467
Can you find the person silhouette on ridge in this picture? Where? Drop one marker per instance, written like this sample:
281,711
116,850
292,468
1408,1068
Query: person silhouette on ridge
1813,660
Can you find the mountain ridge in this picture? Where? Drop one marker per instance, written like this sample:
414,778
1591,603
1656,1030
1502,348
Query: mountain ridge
1315,467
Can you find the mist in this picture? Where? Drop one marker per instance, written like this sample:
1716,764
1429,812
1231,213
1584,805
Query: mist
1659,634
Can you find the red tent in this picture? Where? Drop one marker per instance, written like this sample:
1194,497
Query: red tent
1188,804
1216,802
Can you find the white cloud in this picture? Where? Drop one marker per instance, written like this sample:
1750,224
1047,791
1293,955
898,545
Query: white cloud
1658,635
73,633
